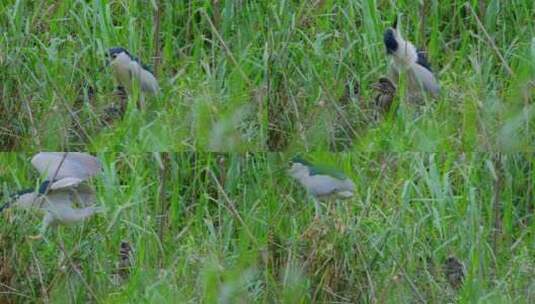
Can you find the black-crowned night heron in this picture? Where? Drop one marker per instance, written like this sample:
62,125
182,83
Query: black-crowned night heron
384,96
128,70
65,187
412,63
321,183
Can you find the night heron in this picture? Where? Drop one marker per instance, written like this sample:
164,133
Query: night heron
129,72
64,196
412,63
321,183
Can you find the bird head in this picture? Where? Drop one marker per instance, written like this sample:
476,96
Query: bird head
384,85
118,55
299,166
392,38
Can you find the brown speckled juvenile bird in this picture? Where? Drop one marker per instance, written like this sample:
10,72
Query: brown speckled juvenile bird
125,259
454,271
385,92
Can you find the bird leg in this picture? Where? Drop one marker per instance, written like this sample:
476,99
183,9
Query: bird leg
317,208
141,102
123,97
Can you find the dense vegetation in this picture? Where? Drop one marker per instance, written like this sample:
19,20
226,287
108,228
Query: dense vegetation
231,228
56,86
199,207
484,58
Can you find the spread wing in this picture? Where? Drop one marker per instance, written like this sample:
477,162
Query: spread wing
85,195
58,199
76,165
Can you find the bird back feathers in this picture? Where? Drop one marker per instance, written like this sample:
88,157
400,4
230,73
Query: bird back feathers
321,170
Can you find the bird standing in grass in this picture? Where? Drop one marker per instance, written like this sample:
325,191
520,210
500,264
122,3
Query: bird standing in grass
65,187
454,271
130,72
321,183
385,92
412,63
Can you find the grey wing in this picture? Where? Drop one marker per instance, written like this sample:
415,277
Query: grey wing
57,200
148,82
76,164
82,192
60,205
322,185
85,195
426,78
65,183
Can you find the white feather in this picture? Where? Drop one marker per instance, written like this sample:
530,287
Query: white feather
406,61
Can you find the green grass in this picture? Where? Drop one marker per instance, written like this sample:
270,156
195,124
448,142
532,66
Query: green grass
266,80
53,56
318,47
237,229
246,75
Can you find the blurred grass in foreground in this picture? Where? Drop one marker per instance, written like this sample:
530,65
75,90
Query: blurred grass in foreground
234,228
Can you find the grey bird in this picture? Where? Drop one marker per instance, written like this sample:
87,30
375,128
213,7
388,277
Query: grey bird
129,71
65,186
321,183
412,63
385,91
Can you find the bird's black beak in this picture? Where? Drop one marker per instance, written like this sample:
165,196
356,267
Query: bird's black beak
395,23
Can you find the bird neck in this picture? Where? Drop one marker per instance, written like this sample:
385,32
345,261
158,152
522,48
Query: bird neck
406,54
26,200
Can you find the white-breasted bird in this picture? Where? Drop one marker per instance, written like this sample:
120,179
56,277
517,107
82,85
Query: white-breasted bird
128,69
65,187
412,62
321,183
